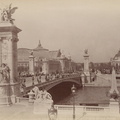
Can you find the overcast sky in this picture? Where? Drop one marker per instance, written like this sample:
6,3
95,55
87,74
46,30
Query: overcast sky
69,25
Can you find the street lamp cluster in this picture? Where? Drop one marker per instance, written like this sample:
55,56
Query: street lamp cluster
73,89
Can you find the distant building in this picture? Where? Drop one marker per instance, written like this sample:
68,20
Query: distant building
115,61
44,60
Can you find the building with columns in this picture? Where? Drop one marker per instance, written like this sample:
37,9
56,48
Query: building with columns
43,60
116,60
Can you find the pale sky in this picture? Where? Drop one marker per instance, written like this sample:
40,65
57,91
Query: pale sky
69,25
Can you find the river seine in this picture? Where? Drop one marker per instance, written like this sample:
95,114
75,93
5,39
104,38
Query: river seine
69,99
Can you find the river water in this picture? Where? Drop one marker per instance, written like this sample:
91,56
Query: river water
89,96
69,99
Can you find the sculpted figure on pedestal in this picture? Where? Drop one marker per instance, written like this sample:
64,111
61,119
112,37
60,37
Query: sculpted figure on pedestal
7,13
5,72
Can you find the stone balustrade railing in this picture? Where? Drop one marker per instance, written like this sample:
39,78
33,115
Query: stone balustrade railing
82,108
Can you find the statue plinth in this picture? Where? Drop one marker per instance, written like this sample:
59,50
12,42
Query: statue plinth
8,27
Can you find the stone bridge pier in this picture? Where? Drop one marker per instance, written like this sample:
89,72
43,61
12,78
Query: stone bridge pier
8,55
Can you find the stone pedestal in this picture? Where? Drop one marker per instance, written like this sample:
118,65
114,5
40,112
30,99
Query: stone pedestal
8,50
114,106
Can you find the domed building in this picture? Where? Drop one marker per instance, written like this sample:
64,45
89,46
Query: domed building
116,61
42,60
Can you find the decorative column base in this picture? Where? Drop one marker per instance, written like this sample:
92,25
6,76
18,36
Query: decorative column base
5,92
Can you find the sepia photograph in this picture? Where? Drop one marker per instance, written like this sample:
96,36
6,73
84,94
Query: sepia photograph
59,59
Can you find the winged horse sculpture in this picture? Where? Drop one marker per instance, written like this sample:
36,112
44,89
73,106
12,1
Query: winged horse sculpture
6,14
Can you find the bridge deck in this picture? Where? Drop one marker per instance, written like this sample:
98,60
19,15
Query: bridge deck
44,83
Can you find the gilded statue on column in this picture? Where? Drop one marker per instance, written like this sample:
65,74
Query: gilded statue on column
6,14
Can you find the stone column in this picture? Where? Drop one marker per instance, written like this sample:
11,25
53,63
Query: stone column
114,93
8,40
86,66
12,58
31,64
45,66
114,83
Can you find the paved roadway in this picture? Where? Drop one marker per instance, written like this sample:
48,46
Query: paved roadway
25,112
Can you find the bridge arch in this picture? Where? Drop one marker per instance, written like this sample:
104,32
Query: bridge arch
58,88
61,90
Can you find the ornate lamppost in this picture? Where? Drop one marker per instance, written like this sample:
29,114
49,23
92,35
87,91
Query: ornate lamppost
73,89
52,113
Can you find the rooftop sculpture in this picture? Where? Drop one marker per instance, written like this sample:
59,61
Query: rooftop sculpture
6,14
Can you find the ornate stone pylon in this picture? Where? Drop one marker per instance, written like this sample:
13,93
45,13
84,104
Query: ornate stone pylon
114,94
8,55
86,65
31,64
113,83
